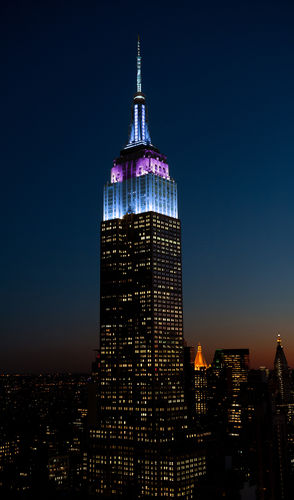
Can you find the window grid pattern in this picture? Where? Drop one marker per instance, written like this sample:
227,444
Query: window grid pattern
144,193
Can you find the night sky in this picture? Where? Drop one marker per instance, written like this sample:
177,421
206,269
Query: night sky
219,81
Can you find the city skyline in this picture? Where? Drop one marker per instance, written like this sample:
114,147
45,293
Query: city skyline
234,178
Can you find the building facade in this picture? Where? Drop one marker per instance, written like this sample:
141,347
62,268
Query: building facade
235,363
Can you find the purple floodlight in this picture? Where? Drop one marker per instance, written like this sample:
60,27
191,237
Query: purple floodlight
135,166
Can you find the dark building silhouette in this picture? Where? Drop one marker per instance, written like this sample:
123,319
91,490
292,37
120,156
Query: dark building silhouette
226,379
281,375
233,365
283,431
143,444
189,380
256,463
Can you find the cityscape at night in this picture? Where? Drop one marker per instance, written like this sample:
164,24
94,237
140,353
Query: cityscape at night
147,278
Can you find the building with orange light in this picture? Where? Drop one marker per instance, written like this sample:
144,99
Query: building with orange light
200,382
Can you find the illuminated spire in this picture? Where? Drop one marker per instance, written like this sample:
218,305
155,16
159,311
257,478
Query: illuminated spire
279,340
139,131
200,361
139,75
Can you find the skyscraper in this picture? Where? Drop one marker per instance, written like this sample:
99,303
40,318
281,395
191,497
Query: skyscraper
282,423
200,380
142,445
281,374
236,363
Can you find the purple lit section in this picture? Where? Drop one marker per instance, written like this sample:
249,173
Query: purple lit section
117,174
146,165
138,167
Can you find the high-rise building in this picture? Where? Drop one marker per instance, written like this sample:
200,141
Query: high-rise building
256,462
200,381
142,445
283,425
189,382
236,363
281,374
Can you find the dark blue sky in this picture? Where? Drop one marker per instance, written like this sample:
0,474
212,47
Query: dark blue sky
219,80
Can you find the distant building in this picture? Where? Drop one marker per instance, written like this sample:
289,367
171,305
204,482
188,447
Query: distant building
9,450
236,363
189,380
283,425
256,462
281,374
200,380
58,471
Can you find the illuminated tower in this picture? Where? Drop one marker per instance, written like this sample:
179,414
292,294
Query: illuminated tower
140,180
139,445
200,378
200,361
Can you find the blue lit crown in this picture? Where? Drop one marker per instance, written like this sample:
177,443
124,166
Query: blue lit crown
140,180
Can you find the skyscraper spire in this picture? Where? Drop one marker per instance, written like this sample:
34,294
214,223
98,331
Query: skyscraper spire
281,373
140,180
139,75
139,131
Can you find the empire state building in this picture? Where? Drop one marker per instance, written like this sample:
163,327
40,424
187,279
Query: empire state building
142,444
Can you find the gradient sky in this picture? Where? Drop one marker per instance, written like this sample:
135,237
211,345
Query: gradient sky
219,81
